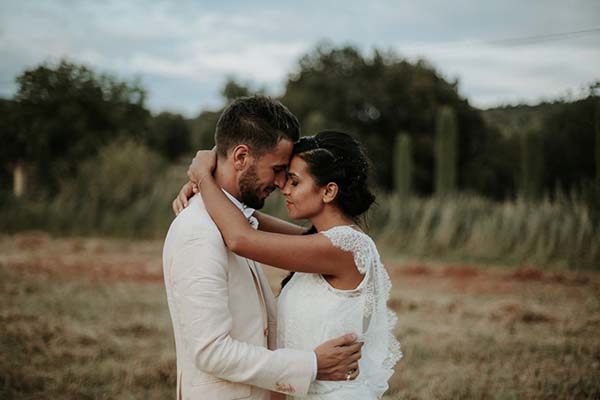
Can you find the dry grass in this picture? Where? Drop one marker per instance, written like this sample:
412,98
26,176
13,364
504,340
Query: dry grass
87,319
70,330
563,233
492,334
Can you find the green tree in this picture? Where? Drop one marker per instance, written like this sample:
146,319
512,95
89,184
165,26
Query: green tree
598,144
568,136
445,152
403,165
531,165
169,135
67,112
375,97
202,130
14,144
233,89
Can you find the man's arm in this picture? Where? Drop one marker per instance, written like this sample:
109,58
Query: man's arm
201,296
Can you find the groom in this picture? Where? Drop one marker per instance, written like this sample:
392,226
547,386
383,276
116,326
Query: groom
221,305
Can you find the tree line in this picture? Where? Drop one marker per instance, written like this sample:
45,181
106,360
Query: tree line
422,135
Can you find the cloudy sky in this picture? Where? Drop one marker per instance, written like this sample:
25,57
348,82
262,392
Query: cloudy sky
502,51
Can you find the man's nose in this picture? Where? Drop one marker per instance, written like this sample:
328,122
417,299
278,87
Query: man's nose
279,181
285,190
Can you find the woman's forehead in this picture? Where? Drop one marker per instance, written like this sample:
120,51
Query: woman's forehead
298,165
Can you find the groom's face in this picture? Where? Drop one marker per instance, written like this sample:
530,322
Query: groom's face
264,174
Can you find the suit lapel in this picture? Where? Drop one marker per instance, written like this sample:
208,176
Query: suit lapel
271,308
259,285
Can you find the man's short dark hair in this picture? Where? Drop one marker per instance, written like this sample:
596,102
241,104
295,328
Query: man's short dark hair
257,121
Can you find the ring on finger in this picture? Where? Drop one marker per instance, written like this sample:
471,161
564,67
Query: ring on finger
349,374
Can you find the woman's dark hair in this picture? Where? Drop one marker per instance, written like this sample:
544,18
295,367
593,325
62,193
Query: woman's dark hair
334,156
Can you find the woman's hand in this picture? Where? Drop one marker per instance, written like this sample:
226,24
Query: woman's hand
181,201
204,163
202,166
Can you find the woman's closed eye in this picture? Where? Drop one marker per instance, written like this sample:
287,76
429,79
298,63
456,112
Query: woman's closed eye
292,180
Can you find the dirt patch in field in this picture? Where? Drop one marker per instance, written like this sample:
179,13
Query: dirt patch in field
141,261
97,269
414,269
101,259
473,279
512,312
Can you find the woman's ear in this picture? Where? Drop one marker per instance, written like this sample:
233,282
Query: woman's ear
330,192
241,157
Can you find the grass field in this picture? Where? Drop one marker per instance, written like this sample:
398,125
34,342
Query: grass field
87,319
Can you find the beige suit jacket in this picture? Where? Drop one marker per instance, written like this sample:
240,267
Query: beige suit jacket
224,318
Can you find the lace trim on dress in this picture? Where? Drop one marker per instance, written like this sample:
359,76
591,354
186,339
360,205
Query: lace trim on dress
349,239
380,333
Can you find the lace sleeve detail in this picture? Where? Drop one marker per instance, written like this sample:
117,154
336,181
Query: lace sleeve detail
382,349
348,239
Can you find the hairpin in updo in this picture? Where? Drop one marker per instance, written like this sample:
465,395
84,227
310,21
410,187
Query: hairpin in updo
313,141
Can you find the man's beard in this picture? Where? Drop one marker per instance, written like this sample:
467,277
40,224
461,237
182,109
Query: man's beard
251,195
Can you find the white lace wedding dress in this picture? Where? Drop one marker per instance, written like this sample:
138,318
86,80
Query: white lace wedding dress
311,311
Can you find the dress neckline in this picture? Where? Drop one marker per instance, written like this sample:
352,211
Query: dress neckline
351,226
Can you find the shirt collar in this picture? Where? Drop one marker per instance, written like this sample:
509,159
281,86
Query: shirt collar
247,211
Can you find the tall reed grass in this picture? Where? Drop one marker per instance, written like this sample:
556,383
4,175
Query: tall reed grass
562,232
127,190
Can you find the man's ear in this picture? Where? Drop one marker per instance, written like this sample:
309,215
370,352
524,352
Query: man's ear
330,192
241,157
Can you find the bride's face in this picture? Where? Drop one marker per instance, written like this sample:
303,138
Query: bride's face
303,198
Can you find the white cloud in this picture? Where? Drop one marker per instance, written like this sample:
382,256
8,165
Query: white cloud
184,50
491,75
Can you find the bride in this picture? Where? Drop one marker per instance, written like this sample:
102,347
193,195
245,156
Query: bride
338,283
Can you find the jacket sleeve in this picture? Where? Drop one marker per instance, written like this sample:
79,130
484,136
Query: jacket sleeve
201,295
